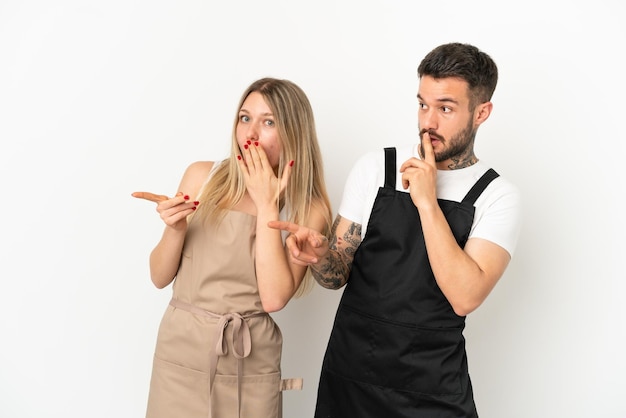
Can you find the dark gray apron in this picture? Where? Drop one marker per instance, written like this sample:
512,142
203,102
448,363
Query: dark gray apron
397,348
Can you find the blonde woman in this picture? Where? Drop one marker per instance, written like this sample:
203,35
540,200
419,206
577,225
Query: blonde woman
218,350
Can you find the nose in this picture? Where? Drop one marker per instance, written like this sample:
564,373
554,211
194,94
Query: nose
427,119
252,133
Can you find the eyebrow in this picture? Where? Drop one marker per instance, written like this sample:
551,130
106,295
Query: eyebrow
441,100
262,114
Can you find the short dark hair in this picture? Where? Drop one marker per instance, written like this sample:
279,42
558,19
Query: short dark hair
466,62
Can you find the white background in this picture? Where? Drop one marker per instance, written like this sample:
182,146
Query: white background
99,99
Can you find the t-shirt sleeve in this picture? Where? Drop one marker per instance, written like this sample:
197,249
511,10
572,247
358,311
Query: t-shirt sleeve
357,190
500,222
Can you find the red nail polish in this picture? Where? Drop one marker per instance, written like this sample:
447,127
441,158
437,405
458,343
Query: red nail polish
186,197
249,142
196,203
239,157
246,146
291,163
193,208
256,143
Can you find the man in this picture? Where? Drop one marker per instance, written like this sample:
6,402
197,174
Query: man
423,234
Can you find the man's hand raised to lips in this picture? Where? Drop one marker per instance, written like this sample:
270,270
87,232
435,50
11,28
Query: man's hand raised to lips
421,175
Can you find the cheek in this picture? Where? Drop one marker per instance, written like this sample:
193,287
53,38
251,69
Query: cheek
273,155
272,149
241,137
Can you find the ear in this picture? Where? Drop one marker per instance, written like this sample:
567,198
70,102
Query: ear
482,112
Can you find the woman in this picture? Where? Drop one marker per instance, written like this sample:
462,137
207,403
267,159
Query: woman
218,351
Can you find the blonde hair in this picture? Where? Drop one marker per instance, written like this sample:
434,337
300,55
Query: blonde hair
298,138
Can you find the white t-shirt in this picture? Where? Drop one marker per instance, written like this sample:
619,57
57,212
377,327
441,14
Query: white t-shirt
498,208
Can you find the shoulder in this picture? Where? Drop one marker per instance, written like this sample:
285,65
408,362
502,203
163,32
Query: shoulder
365,172
501,187
369,158
364,179
372,163
377,157
199,168
501,200
369,169
500,192
196,174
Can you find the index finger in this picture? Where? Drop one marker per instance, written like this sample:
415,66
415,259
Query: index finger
284,225
426,148
150,196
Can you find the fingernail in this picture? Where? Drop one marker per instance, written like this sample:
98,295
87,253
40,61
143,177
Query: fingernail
291,163
246,146
249,142
196,203
186,197
193,208
256,143
239,157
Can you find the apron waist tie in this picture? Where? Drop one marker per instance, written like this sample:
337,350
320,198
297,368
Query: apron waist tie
241,341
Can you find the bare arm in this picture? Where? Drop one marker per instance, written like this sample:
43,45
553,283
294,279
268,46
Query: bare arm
330,262
166,255
465,276
278,278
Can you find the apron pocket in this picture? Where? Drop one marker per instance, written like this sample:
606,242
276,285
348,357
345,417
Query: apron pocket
261,396
177,391
407,358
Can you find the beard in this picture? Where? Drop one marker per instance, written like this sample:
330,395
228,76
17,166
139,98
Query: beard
455,147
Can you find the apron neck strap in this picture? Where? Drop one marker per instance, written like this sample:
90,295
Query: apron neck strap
390,168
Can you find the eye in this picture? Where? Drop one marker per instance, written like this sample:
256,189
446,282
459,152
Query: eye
446,109
244,118
421,105
270,123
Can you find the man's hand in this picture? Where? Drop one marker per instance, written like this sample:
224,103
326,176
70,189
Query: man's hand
420,176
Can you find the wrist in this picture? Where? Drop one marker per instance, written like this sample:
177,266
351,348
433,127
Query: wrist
269,211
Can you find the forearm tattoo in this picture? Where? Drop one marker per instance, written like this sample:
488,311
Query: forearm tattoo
332,272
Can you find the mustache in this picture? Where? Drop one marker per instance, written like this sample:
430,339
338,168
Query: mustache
431,133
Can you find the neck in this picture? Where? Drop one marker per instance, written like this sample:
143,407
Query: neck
459,161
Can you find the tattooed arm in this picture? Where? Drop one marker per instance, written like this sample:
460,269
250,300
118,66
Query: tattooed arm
333,269
329,262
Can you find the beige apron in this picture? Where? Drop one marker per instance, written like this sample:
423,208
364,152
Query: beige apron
217,353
